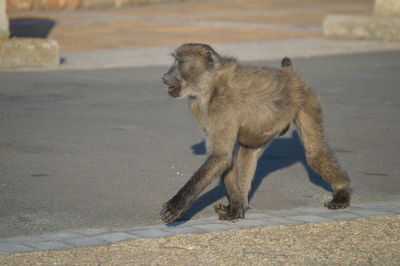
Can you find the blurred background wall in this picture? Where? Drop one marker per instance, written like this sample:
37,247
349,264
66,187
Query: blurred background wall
71,4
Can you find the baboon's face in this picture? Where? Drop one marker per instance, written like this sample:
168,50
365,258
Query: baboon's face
192,63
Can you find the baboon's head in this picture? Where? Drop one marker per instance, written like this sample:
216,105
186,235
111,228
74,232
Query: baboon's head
192,69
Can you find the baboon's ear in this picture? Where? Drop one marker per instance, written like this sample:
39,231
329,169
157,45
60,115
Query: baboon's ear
286,62
209,60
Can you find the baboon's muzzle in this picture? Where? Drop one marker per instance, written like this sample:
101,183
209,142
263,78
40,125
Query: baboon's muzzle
174,91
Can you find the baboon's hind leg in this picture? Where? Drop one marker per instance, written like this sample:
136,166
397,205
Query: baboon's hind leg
246,167
309,123
238,183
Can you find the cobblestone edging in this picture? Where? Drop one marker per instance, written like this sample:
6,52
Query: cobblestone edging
95,237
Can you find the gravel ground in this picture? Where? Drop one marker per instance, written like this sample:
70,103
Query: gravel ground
367,241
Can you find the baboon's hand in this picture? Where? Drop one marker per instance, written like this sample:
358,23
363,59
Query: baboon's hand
172,209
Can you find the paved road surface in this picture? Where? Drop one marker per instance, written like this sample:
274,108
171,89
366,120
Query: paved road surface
105,148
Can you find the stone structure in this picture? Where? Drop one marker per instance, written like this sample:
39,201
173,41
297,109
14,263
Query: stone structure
4,32
25,52
383,25
29,53
387,8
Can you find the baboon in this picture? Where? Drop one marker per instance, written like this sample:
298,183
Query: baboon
245,106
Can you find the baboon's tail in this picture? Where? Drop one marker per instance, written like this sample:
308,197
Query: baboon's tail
286,62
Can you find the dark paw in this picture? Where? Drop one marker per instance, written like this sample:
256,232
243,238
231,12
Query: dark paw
171,210
228,214
341,200
221,209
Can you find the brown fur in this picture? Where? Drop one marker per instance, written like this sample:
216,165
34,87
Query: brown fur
248,106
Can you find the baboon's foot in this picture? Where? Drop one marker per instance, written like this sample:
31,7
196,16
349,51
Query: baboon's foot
341,199
221,209
172,210
228,214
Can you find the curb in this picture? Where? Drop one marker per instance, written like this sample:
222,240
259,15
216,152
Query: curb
98,237
244,51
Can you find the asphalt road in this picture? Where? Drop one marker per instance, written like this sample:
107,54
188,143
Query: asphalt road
105,148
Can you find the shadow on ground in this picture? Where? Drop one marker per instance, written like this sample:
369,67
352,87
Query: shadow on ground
281,153
31,27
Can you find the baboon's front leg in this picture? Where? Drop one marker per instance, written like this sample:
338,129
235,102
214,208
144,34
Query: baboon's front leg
213,167
222,142
246,165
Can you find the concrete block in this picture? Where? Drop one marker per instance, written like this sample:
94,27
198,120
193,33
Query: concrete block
257,215
216,227
4,30
151,233
280,221
367,212
29,53
49,245
85,241
91,232
310,218
13,248
316,211
338,216
375,205
23,239
250,223
387,8
116,237
147,227
362,27
58,236
185,230
394,204
285,212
